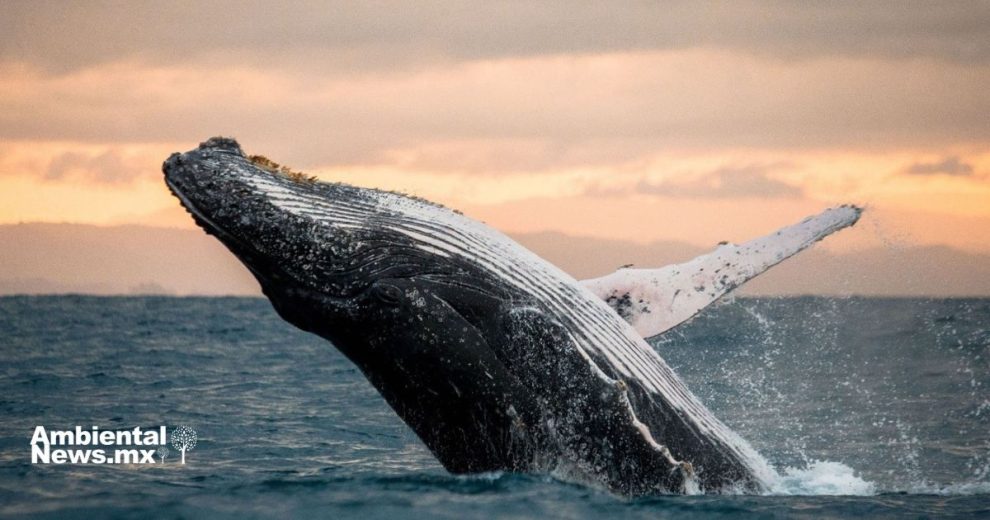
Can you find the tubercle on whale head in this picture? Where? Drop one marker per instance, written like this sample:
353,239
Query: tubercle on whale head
221,143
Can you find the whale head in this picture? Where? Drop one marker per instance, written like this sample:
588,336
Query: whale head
350,248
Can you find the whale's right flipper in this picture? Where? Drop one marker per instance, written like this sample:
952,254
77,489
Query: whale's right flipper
656,300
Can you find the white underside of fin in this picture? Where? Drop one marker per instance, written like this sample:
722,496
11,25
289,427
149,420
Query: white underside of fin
656,300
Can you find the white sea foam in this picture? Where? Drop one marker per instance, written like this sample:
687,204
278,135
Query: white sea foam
821,478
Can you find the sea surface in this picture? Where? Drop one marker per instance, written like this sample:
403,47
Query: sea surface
867,407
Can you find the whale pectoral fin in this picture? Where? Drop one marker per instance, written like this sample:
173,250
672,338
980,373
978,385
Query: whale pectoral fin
656,300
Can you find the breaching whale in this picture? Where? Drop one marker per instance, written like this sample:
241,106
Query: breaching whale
498,360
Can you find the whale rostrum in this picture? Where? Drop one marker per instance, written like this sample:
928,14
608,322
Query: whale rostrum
496,359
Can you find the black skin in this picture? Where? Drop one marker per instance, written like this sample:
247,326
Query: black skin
484,376
436,371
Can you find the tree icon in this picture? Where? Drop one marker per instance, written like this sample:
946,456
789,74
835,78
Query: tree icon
162,452
183,439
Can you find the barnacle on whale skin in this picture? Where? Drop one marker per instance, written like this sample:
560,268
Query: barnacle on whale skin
267,164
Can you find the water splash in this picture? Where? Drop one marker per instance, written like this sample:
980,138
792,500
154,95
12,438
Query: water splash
822,478
892,389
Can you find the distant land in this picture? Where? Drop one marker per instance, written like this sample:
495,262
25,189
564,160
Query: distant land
40,258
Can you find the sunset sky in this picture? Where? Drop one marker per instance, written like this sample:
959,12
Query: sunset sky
638,121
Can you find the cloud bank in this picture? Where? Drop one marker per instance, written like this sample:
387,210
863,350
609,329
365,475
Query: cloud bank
388,35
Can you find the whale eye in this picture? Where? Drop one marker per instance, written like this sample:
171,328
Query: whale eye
389,294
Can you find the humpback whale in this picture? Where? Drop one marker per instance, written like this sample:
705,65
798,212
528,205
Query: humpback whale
496,359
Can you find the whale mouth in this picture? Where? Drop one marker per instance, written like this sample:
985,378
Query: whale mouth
206,223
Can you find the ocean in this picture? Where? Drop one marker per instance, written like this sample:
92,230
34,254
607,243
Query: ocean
866,406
